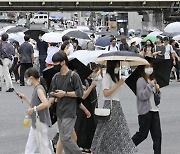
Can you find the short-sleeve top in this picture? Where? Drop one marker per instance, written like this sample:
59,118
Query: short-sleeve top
108,83
43,114
67,106
26,50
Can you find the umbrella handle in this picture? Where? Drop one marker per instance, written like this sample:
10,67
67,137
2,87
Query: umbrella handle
120,76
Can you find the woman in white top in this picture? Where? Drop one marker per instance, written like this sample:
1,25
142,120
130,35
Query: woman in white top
112,137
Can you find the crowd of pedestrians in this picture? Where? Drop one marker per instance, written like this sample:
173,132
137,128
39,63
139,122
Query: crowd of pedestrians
78,129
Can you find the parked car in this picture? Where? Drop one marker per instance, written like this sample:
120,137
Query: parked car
39,19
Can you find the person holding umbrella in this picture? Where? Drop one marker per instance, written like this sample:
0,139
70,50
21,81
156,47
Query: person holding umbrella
112,137
148,112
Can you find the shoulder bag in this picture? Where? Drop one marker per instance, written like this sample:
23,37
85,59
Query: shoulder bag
102,113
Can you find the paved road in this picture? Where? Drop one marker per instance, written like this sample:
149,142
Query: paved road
13,136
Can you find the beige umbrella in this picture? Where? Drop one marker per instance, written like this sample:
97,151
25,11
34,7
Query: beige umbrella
126,58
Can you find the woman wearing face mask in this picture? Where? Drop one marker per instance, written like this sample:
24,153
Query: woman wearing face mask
148,49
113,136
40,104
148,112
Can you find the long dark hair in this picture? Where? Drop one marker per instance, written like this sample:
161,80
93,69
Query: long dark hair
151,45
35,73
143,74
111,65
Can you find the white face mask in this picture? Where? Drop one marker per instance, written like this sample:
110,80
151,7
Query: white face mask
29,82
148,71
93,75
116,70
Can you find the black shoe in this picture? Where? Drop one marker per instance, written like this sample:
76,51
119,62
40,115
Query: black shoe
0,88
10,90
22,84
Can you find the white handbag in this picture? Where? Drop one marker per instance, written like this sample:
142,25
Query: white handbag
103,114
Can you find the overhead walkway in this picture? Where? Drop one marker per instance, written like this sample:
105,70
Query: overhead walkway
85,5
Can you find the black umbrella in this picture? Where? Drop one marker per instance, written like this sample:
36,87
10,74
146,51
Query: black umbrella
35,32
82,70
78,34
16,29
162,69
74,64
48,74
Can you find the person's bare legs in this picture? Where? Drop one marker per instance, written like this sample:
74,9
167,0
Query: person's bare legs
59,146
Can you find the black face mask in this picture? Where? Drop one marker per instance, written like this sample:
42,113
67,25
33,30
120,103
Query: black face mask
57,68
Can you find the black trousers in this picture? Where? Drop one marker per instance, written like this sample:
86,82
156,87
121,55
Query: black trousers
14,68
149,122
42,64
24,67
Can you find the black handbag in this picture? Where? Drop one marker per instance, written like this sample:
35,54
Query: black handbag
157,98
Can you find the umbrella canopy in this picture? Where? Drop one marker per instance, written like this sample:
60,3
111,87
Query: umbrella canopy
170,34
78,34
86,56
103,41
4,29
52,37
135,39
48,74
162,69
81,69
34,32
177,37
131,31
172,27
152,38
127,58
19,37
155,33
16,29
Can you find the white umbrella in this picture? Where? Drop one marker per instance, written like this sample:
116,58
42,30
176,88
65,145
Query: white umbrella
177,37
86,56
19,37
52,37
131,31
135,39
172,27
155,33
4,29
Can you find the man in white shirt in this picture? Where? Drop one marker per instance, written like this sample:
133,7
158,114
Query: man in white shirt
168,48
112,47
